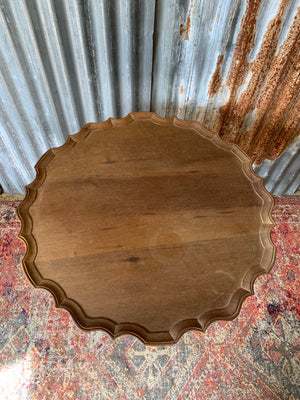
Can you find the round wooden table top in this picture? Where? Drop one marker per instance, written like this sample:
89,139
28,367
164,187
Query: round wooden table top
146,226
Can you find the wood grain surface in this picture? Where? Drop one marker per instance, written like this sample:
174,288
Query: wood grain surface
147,226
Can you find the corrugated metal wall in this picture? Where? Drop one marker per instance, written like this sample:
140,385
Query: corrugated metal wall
231,64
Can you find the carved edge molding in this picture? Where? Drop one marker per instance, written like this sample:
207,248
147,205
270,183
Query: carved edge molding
115,330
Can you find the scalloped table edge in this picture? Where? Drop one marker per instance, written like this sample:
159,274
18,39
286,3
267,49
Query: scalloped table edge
115,330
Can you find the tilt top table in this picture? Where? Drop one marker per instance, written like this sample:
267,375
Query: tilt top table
146,226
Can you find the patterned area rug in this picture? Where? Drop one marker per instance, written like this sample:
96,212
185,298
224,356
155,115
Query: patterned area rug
43,355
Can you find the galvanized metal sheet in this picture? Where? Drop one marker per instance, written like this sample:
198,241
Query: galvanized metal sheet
282,176
231,64
234,66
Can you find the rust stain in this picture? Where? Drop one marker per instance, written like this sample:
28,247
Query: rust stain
185,30
199,111
289,131
215,82
181,89
272,90
216,79
230,117
278,99
168,109
245,43
279,112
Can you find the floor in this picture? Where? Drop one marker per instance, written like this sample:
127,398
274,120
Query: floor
43,355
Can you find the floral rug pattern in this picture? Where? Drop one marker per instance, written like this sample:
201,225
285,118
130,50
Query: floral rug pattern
44,355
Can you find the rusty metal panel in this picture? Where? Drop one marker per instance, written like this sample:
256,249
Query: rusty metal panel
231,64
235,68
282,176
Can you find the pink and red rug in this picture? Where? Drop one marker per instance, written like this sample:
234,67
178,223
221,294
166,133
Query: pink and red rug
43,355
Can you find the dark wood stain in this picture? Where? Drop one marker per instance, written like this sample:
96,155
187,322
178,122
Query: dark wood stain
133,259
